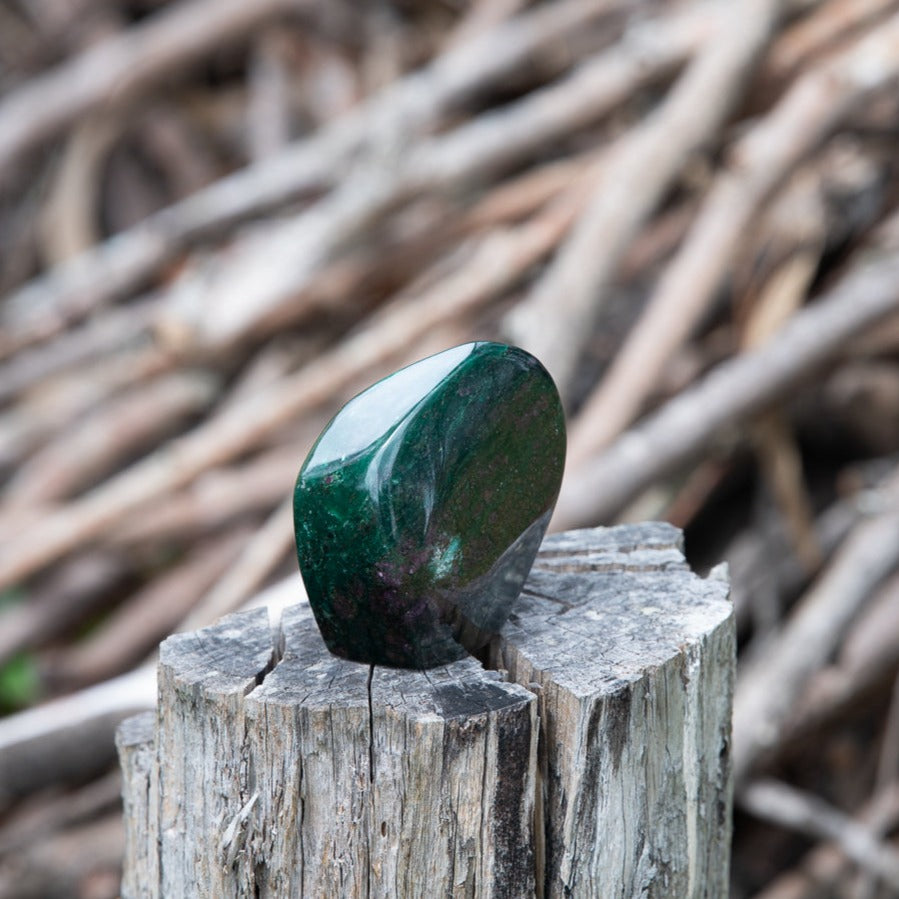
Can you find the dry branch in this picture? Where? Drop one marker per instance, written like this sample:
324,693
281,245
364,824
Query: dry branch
497,264
869,658
99,443
784,805
115,71
822,866
736,389
760,162
74,592
40,820
243,578
69,740
820,32
767,691
86,858
216,498
557,319
132,631
114,330
273,266
392,116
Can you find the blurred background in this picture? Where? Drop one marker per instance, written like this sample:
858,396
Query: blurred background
220,219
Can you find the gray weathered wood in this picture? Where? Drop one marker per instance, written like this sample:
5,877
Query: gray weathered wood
632,657
593,762
136,744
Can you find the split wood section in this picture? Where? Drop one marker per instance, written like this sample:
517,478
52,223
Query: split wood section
594,761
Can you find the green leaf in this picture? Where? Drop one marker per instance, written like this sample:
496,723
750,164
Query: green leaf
19,683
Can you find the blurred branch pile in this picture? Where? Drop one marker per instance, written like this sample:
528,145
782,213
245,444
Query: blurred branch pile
221,218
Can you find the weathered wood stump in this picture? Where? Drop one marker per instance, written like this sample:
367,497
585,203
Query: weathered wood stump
592,762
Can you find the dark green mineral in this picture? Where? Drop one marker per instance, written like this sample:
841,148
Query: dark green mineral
421,507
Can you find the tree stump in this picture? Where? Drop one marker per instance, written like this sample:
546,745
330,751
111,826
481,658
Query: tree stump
589,758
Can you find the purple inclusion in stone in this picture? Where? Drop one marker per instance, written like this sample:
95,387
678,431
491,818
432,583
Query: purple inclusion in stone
423,503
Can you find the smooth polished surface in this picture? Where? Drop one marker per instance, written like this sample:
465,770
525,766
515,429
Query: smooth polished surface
421,507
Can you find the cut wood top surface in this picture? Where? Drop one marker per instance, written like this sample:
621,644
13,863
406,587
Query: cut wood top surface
600,606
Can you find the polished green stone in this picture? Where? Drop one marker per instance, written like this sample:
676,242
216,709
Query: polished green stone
422,505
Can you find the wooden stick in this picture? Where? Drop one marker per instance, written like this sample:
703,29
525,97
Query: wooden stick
497,264
115,71
823,865
401,110
69,739
866,662
269,270
761,161
557,319
818,33
114,330
148,616
217,498
784,805
768,690
737,388
96,446
257,559
62,401
83,859
76,591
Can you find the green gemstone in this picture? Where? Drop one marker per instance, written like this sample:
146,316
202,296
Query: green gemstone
422,505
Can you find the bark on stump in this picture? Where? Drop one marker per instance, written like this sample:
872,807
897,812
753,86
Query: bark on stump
592,762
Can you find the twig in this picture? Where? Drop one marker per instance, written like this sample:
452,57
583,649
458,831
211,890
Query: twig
782,294
113,72
62,401
786,806
761,161
869,657
887,774
767,692
82,861
496,265
268,113
394,114
98,444
271,267
823,865
116,329
217,498
61,812
557,319
69,739
818,33
36,746
67,221
259,557
764,569
146,617
73,593
729,393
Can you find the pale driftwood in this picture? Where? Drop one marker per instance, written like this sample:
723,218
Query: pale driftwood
275,769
